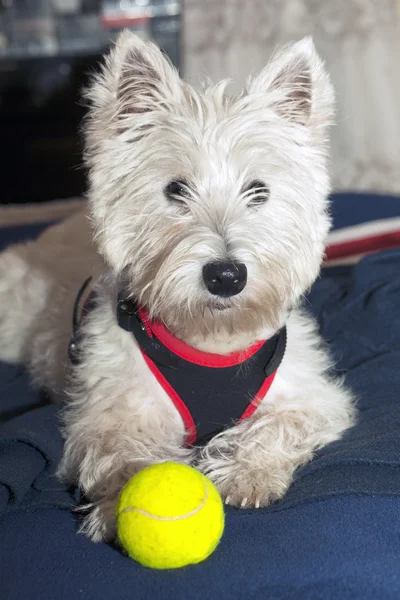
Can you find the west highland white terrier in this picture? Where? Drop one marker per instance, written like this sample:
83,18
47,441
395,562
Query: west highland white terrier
208,220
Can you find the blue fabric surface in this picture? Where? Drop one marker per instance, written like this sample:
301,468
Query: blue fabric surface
339,549
14,235
335,535
353,209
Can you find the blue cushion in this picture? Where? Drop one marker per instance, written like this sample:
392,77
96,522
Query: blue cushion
16,234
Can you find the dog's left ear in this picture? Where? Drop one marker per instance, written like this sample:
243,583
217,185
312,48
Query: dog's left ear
296,85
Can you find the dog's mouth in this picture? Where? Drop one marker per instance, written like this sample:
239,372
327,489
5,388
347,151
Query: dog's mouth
219,305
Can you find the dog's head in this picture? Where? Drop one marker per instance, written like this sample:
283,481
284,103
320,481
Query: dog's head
213,208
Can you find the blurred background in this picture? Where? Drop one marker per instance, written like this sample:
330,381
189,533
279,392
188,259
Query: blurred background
48,48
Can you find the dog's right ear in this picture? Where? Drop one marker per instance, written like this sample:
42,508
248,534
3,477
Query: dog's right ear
136,78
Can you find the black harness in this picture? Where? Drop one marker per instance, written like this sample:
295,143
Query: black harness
211,392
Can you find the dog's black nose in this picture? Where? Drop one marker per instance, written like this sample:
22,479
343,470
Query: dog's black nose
225,278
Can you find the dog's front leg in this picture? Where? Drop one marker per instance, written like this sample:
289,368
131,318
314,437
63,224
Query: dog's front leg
253,463
107,442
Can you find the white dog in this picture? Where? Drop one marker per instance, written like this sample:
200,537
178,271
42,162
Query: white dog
209,215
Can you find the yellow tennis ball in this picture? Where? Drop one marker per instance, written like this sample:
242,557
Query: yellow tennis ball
169,515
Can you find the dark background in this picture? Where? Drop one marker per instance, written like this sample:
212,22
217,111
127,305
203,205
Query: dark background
45,59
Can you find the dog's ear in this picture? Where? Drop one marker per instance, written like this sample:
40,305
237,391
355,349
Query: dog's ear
296,85
136,78
146,76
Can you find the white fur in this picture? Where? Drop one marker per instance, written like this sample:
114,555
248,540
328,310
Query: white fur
145,128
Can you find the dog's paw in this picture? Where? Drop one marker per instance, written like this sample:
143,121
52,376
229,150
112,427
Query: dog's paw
246,487
253,490
99,524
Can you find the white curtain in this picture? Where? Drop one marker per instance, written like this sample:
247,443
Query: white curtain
360,43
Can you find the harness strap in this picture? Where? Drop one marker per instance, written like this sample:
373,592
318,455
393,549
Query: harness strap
73,348
128,316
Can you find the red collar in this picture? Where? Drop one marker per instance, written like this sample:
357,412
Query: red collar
204,359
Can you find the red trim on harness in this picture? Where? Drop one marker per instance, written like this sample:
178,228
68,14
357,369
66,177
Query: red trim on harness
145,320
259,397
204,359
85,305
183,410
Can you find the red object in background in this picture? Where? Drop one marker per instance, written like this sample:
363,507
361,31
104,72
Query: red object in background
120,22
351,243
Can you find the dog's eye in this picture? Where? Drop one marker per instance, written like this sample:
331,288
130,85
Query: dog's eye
256,193
177,190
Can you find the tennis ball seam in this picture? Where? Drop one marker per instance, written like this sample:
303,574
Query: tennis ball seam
177,518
